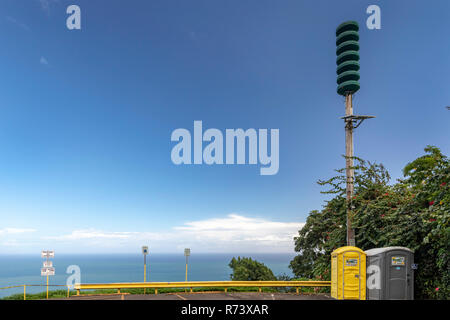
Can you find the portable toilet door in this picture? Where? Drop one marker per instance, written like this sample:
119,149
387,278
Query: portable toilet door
348,273
399,274
396,273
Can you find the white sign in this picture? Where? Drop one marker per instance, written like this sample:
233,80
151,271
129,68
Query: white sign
398,261
187,252
48,271
144,250
47,254
351,262
48,264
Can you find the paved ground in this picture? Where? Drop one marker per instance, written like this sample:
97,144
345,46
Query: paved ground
205,296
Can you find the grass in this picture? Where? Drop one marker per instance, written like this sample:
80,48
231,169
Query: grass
63,293
40,295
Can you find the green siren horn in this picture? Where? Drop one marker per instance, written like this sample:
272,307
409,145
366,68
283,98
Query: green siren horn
347,52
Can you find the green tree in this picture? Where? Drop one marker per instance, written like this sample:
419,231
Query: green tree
414,212
246,269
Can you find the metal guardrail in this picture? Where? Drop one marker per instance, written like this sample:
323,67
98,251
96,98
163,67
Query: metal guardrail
201,284
190,284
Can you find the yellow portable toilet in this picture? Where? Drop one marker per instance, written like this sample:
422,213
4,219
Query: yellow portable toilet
348,273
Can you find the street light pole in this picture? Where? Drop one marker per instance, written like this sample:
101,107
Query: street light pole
145,252
186,267
145,267
187,253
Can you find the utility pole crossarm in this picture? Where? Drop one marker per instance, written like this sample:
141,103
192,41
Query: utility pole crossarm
355,121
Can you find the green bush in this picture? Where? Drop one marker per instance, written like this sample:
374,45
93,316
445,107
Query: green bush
414,212
246,269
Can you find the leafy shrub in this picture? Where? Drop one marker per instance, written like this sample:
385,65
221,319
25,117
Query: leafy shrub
414,212
246,269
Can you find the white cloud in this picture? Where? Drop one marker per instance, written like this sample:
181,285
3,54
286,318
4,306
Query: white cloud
18,23
7,231
13,238
46,4
10,243
239,228
93,234
233,233
43,61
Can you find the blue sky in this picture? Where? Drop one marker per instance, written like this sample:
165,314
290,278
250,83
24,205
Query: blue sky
86,116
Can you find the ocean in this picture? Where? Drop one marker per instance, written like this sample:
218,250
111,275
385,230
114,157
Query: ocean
106,268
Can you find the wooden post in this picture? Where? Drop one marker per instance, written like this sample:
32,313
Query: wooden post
24,293
259,289
296,290
349,170
156,291
78,292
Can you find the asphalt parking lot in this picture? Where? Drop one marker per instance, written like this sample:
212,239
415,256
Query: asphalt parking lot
206,296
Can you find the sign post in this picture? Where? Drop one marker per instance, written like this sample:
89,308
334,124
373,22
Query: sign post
47,269
145,252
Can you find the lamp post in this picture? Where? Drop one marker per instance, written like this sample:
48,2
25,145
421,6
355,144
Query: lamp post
145,252
187,253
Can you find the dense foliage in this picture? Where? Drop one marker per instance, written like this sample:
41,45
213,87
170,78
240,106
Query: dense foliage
246,269
414,213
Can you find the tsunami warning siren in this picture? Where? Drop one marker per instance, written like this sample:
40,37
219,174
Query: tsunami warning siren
347,60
